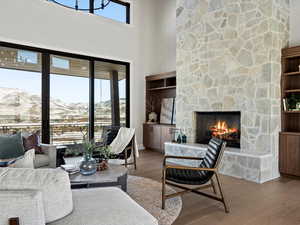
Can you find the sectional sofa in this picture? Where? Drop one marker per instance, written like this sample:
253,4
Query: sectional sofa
44,196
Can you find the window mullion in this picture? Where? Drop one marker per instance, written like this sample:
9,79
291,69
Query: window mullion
45,98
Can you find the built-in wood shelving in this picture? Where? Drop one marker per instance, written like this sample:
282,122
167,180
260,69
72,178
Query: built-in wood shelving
161,88
289,138
292,91
292,73
158,87
291,133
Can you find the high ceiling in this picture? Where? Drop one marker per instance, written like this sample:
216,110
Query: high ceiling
31,61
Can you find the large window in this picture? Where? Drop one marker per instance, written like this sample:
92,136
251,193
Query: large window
116,10
20,91
64,96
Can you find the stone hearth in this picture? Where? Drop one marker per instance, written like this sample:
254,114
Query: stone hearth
228,59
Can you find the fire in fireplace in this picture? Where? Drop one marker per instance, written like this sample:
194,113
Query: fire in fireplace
222,131
223,125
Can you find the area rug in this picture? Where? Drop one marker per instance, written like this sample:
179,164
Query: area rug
147,193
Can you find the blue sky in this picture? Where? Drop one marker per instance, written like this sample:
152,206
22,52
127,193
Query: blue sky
113,10
66,88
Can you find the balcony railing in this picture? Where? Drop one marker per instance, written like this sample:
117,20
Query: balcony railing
62,133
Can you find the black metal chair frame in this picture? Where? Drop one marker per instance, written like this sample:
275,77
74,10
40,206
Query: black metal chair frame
186,189
132,148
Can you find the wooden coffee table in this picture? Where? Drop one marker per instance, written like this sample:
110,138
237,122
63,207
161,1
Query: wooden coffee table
115,175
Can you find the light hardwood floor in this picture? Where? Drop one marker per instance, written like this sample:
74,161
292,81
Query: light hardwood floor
273,203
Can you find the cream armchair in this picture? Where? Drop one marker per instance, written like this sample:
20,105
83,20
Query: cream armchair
48,159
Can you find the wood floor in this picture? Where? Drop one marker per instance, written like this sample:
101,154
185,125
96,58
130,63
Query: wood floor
273,203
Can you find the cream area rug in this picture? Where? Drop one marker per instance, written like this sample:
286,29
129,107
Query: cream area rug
147,193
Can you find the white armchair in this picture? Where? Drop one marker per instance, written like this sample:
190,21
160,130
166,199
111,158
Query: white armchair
48,159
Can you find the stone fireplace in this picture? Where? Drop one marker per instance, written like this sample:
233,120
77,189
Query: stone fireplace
229,59
222,125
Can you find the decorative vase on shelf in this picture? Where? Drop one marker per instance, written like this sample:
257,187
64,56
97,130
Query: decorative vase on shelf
184,139
88,165
179,140
152,117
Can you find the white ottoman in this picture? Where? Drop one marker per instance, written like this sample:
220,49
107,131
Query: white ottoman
105,206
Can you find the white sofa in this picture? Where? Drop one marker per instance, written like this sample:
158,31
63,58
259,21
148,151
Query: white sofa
54,185
48,194
26,205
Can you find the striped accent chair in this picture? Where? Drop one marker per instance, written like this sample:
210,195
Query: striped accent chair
202,177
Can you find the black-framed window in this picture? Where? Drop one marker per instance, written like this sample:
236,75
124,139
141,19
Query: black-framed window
116,10
20,90
77,94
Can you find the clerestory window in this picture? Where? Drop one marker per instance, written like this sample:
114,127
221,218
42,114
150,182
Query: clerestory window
113,9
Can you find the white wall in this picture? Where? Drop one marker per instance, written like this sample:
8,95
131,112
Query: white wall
165,43
294,23
46,25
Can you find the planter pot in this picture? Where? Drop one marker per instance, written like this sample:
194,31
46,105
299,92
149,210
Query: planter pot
103,164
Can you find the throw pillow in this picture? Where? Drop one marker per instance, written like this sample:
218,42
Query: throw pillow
24,162
6,162
11,146
32,142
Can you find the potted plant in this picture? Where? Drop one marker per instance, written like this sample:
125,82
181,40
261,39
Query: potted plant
104,154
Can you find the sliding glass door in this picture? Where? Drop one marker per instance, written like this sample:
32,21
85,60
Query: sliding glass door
69,100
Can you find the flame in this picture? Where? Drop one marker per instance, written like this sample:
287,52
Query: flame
222,130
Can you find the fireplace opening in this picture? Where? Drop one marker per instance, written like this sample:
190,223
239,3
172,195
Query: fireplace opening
222,125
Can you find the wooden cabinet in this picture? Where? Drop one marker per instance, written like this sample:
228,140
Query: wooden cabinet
166,136
155,135
152,135
289,154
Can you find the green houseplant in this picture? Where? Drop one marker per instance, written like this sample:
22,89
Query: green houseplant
103,152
